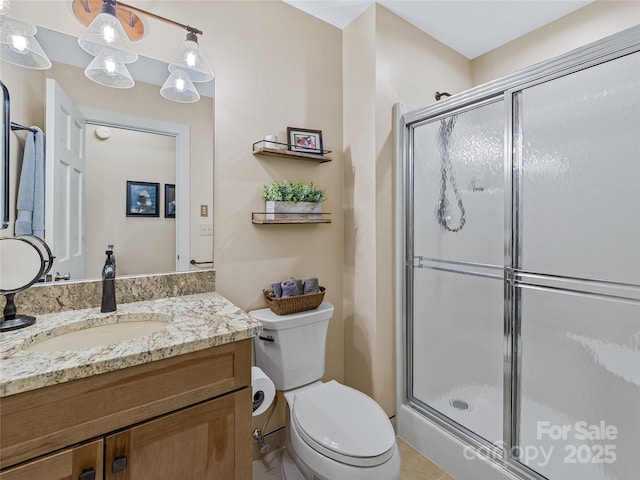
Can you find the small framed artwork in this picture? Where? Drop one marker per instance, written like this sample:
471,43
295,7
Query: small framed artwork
142,199
304,140
169,200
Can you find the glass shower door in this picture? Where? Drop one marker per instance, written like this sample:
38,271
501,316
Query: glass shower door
578,274
457,248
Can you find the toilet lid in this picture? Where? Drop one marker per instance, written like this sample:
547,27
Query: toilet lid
344,424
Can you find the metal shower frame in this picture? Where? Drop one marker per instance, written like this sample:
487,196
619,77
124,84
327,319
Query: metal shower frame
506,89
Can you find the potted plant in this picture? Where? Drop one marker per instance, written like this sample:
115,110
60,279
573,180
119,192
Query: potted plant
292,198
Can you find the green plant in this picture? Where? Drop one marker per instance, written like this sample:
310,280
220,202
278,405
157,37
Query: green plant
292,192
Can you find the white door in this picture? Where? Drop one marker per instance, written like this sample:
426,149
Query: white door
65,182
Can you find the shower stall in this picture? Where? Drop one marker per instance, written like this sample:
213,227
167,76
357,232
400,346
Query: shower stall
518,266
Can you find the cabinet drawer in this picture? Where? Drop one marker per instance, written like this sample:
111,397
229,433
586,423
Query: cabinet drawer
65,465
40,421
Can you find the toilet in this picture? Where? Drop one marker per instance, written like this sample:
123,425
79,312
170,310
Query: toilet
334,432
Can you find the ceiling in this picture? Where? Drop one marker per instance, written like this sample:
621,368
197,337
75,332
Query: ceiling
470,27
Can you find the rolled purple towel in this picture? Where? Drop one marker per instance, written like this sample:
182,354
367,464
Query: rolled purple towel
299,285
289,289
311,285
277,289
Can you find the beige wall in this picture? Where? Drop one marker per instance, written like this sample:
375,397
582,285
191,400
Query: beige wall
142,245
386,60
275,67
590,23
359,83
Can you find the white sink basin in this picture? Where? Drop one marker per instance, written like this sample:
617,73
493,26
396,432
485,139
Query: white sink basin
99,331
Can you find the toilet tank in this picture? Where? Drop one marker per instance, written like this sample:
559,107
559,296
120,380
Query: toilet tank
291,348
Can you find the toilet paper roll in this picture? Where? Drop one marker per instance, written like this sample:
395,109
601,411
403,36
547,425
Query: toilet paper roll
261,383
271,141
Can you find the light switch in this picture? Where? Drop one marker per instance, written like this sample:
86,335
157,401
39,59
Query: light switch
204,210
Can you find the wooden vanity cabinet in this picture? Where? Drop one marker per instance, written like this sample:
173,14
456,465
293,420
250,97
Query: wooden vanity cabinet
198,443
185,417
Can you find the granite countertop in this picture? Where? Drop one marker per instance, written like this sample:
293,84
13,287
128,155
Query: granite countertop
194,322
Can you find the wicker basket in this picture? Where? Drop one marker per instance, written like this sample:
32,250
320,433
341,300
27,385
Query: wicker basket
299,303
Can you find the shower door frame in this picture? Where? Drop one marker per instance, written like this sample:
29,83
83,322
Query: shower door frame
506,89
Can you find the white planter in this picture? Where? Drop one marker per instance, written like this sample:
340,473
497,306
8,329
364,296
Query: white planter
293,209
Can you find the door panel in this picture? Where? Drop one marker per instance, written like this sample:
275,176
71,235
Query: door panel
457,345
205,442
580,174
458,253
580,370
458,161
65,177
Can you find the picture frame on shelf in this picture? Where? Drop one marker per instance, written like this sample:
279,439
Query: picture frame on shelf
169,200
305,140
142,199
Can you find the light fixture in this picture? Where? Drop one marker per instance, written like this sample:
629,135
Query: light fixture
24,51
18,44
10,25
106,70
108,36
179,88
189,59
105,31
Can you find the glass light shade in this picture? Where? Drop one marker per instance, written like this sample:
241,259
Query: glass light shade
106,31
190,59
5,7
179,88
10,25
24,51
107,71
10,12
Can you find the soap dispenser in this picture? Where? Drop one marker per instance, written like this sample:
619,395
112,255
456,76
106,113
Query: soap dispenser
109,282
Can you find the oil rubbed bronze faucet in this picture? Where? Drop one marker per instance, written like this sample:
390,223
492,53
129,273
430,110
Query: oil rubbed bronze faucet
109,282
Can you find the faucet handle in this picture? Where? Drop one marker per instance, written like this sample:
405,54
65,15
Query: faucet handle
62,276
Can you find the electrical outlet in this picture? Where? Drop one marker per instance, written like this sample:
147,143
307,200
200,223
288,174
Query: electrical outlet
204,210
206,229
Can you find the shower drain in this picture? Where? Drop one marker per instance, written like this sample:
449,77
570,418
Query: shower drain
459,404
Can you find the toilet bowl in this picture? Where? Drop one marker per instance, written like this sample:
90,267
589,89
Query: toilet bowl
334,432
337,432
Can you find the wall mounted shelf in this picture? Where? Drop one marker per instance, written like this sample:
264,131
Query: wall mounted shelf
259,148
263,218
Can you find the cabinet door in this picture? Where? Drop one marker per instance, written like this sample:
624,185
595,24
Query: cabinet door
207,441
78,463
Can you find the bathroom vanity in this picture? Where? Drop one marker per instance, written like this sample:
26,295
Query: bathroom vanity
173,404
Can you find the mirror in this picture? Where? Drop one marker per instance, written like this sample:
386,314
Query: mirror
121,150
143,101
4,160
24,260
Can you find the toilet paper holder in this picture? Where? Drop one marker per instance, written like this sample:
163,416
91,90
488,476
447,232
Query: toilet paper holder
258,399
263,391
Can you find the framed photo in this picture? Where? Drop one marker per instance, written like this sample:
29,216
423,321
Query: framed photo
303,140
142,199
169,200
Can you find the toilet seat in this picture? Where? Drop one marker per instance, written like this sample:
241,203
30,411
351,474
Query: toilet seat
343,424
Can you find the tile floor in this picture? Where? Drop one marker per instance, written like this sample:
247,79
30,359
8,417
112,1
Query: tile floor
414,466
